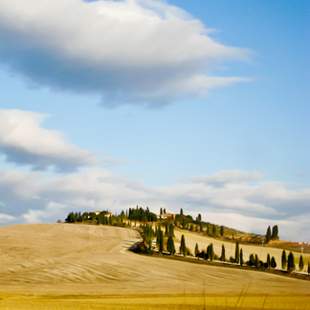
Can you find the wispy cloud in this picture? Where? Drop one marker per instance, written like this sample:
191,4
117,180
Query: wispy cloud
131,51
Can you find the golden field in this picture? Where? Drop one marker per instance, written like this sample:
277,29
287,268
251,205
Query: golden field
62,266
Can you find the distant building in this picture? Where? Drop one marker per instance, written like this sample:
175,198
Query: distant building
168,216
106,213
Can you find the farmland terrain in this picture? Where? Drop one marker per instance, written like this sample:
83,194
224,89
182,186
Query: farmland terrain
48,264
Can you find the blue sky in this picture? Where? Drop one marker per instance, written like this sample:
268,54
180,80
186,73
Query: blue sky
258,124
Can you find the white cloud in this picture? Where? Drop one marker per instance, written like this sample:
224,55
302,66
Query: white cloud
133,50
6,218
241,199
24,141
52,210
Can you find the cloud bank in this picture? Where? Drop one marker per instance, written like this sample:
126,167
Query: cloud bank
241,199
24,141
133,51
34,196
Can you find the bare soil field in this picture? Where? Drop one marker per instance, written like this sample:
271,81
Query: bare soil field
63,266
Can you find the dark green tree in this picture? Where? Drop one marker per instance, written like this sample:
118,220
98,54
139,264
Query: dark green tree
284,260
214,231
309,268
275,233
237,253
181,211
256,263
273,263
183,246
166,229
198,218
223,254
301,263
210,252
171,230
157,232
268,234
148,235
241,257
196,250
161,241
251,260
170,246
222,231
268,261
290,262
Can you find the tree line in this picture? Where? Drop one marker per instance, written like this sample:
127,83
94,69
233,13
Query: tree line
137,214
181,220
165,244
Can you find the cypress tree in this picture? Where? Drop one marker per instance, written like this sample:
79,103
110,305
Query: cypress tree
284,260
148,235
208,230
268,261
273,262
252,260
170,246
210,252
241,257
301,263
275,233
309,268
256,261
181,211
222,231
268,234
183,246
290,262
214,230
161,241
223,257
198,219
196,250
166,229
237,253
157,232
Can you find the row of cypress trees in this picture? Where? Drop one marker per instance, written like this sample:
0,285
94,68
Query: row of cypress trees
169,232
287,262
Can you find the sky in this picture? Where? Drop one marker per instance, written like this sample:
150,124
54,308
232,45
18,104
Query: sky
200,104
